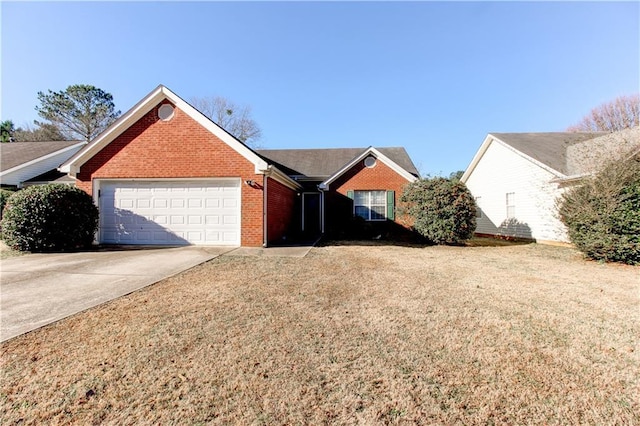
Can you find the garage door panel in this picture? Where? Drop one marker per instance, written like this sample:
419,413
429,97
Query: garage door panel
212,203
211,220
170,212
177,203
125,203
229,220
195,220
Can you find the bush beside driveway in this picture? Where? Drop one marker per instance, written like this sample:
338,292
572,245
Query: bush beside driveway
350,334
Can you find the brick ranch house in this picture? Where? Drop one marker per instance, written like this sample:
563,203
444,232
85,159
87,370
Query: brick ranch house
164,173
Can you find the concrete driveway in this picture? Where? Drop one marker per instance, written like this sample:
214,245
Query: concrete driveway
38,289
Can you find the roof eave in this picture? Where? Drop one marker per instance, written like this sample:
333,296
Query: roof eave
278,175
571,179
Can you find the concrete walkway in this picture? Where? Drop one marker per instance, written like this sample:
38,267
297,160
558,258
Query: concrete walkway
39,289
291,251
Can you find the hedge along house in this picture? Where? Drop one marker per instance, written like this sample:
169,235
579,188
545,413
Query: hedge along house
164,173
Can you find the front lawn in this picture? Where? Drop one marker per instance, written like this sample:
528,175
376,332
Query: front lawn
351,334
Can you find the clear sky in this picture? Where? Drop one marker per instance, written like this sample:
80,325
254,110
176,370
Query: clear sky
432,77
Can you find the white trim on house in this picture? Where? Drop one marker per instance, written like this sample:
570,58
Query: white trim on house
277,175
379,156
73,165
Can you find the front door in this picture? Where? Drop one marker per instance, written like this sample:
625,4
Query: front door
311,214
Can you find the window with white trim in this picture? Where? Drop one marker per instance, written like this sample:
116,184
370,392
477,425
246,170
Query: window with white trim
511,205
370,205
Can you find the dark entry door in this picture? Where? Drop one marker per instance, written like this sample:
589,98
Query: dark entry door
311,214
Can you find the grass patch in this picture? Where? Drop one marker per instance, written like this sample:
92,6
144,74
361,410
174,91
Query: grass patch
351,334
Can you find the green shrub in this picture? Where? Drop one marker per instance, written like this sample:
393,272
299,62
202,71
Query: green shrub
442,210
4,196
49,218
602,214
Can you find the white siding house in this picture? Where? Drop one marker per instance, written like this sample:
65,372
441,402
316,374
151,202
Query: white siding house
516,179
21,161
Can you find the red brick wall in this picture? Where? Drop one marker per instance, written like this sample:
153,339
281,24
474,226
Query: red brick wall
178,148
363,178
339,208
281,207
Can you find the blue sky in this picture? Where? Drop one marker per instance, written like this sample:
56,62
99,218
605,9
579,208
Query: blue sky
432,77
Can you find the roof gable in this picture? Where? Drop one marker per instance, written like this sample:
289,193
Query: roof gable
16,155
161,93
367,152
547,150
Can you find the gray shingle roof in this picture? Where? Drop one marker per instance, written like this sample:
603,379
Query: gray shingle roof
322,163
13,154
549,149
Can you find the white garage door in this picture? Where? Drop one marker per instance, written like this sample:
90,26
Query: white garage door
203,212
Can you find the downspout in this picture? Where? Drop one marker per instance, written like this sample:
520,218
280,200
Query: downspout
265,222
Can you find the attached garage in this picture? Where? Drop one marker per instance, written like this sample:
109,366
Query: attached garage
170,212
165,174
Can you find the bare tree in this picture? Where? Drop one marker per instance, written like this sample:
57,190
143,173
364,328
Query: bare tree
45,132
235,119
621,113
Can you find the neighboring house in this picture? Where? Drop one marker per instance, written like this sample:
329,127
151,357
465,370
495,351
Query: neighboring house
21,162
164,173
516,178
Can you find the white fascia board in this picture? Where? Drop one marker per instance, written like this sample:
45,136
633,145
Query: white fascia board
72,166
277,175
572,178
44,157
476,158
380,156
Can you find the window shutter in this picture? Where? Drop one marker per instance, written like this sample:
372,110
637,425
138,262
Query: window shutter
391,205
350,193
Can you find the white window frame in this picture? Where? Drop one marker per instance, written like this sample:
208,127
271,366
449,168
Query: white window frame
510,199
369,205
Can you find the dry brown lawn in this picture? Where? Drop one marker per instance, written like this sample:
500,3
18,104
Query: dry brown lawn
351,334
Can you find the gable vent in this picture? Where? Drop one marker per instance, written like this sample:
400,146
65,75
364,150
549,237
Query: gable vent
165,112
